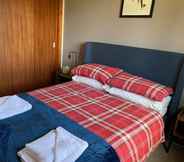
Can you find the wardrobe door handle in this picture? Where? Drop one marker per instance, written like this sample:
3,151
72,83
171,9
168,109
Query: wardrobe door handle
54,45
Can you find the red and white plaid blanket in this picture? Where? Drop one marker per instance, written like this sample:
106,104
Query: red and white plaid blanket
132,130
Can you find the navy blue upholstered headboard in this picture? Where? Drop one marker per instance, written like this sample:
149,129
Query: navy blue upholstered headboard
163,67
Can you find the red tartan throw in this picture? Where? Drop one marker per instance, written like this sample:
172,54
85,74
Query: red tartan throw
132,130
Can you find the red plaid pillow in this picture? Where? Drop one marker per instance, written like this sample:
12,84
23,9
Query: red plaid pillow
140,86
99,72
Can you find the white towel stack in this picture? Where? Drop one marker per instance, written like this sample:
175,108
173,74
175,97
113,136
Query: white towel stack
13,105
58,145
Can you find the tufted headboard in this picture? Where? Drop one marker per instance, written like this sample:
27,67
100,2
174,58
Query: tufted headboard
166,68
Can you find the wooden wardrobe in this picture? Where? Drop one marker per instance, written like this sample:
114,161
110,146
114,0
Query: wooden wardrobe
30,32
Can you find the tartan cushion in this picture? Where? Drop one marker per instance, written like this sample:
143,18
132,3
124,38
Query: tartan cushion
99,72
140,86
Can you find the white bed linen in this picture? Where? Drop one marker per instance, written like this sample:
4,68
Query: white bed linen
161,107
91,82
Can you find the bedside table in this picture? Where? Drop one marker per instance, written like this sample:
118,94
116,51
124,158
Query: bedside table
176,133
62,78
179,128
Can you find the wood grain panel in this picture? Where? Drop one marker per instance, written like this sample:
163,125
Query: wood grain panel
27,58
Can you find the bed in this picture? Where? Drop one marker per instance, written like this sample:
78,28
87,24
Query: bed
148,63
129,130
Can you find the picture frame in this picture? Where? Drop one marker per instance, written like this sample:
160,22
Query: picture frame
137,8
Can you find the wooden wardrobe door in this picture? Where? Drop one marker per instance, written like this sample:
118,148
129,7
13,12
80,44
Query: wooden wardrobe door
46,57
28,29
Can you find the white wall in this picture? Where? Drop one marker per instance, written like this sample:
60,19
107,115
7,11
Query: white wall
98,20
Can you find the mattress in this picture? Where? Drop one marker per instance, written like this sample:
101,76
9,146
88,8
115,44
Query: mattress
132,130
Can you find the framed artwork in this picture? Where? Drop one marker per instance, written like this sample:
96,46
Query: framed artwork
137,8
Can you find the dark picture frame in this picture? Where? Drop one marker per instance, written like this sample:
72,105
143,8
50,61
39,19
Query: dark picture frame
122,15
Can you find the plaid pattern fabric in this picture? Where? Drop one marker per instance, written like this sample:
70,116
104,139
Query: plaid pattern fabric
133,131
96,71
140,86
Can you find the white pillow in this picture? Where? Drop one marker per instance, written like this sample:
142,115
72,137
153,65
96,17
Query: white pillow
91,82
161,107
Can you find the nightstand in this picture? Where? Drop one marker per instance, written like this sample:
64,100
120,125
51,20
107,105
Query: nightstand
62,78
176,132
179,128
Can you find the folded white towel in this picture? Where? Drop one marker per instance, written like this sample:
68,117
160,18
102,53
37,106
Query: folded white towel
56,146
42,149
13,105
3,99
68,147
25,154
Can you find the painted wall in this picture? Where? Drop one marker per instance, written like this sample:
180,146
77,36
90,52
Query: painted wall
98,20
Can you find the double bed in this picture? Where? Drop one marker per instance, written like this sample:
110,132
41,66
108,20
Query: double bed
129,130
166,68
